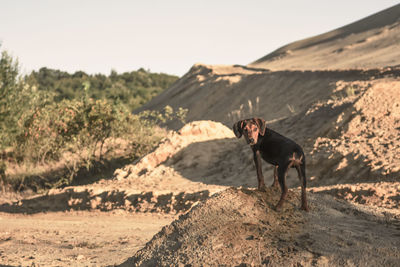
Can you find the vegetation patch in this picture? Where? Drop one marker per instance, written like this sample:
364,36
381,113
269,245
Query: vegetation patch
56,127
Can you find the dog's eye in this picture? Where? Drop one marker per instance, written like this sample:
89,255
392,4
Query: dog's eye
255,130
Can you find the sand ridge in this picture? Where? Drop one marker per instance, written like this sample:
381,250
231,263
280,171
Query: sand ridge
368,43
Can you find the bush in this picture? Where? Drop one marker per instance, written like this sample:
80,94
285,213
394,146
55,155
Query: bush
48,137
54,128
81,129
17,99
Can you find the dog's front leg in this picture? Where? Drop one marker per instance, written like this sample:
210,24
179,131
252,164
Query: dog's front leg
257,161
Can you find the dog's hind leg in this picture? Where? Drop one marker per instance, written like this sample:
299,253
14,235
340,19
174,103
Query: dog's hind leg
282,172
301,171
275,183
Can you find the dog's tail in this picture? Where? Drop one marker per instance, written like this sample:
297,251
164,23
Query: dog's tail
299,160
300,164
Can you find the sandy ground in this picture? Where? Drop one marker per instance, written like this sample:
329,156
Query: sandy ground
348,122
78,238
105,223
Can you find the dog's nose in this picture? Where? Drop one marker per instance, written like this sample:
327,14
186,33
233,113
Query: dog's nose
251,140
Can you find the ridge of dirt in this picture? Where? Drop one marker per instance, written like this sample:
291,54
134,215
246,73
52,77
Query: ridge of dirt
79,199
231,92
381,194
147,186
239,227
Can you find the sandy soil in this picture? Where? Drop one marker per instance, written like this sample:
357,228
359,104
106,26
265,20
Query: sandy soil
348,122
84,238
107,222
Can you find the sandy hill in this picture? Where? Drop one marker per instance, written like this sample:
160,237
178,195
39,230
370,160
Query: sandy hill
288,80
350,117
368,43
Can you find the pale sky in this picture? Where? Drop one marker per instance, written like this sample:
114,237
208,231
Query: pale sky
96,36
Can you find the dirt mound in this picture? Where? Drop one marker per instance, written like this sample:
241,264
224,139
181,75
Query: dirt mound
226,229
362,142
194,132
239,227
368,43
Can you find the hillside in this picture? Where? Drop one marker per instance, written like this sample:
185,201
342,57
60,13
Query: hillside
368,43
227,93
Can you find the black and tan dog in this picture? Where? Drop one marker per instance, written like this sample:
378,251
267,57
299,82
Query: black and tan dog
277,150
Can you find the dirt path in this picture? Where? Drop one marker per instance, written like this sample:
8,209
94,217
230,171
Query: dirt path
78,238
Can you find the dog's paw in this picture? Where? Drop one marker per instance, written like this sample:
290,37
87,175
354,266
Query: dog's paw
275,184
305,208
262,188
278,208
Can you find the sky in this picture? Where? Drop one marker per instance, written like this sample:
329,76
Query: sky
97,36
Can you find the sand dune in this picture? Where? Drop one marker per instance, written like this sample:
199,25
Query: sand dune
368,43
227,93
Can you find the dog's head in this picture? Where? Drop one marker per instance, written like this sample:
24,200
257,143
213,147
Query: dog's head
250,128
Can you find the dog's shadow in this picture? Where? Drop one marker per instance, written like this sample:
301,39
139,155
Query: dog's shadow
227,162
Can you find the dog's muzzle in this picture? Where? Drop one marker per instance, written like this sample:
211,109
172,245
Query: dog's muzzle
250,141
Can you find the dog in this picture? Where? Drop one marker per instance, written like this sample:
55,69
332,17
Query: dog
277,150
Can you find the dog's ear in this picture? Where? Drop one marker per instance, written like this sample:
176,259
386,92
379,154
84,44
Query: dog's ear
262,126
238,129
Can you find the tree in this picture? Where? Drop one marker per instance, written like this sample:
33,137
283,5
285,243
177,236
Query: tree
10,89
17,99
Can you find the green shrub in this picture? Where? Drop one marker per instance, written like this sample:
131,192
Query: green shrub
17,99
53,128
48,138
81,128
